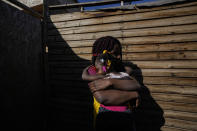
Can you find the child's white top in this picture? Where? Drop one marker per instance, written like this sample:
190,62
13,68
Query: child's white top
116,75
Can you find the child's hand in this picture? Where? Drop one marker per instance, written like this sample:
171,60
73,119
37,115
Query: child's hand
99,84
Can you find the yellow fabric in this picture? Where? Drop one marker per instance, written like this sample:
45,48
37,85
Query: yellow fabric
96,109
104,51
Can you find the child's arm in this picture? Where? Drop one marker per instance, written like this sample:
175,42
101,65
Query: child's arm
86,76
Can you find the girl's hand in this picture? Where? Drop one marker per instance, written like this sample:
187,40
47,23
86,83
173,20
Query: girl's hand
99,84
138,101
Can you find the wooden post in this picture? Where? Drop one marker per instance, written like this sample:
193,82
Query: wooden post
82,9
44,36
44,56
122,3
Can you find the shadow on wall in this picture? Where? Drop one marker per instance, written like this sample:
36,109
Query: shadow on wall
21,89
70,101
149,115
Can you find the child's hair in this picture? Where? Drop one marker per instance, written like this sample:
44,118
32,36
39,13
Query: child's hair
111,63
104,43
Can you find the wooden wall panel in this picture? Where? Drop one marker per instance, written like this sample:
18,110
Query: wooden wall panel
128,17
189,46
84,15
134,32
126,25
161,42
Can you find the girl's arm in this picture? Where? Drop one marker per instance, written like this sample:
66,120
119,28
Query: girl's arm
125,84
88,77
115,97
120,84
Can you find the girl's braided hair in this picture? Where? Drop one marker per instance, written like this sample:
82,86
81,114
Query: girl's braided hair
104,43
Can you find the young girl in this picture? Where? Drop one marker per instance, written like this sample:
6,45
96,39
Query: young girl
111,95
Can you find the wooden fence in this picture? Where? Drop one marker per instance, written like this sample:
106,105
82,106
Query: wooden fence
160,40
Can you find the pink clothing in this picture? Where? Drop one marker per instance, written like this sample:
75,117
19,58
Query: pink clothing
115,108
92,70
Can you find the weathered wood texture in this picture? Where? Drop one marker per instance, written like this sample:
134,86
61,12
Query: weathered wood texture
161,42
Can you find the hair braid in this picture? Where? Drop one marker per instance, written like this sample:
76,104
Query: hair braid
104,43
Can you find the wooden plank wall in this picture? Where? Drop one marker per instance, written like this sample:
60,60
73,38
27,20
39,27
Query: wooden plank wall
161,41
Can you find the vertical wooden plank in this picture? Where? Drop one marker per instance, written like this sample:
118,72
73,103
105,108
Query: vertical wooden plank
45,61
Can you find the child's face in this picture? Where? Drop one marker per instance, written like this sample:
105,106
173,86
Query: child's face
99,67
